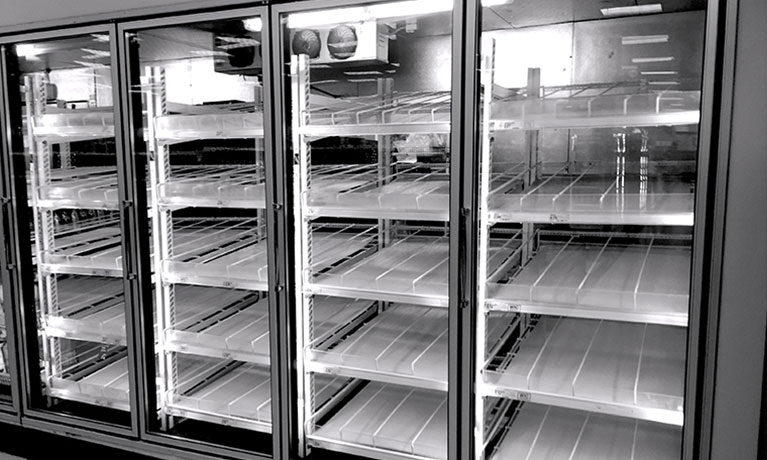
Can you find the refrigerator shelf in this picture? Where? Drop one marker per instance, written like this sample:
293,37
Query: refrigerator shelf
107,386
426,112
595,108
354,191
220,186
90,309
96,250
388,422
63,125
552,433
412,270
234,255
85,188
591,196
624,369
645,282
173,129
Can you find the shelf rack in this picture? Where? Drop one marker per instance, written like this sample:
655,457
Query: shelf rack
93,187
91,250
405,345
596,106
537,431
103,384
425,112
67,125
643,280
389,422
626,369
586,194
220,186
172,129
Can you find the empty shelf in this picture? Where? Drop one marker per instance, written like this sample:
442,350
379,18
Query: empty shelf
406,113
172,129
233,254
107,386
419,192
89,309
550,433
388,421
596,108
74,125
592,197
214,186
96,250
89,188
626,369
646,283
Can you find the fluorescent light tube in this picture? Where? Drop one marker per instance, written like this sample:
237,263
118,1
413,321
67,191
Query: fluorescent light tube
652,59
632,10
659,72
644,39
664,83
253,24
28,50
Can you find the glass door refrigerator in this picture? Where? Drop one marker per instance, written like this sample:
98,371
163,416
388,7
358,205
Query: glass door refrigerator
197,94
588,170
367,97
70,231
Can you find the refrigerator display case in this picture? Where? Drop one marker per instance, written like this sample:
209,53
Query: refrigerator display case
589,150
369,139
66,166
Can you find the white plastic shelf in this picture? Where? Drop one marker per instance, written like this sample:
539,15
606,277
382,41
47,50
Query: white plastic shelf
625,369
646,283
590,196
411,270
232,254
90,309
74,125
420,192
108,386
388,421
220,186
551,433
87,188
406,113
598,107
171,129
95,250
230,394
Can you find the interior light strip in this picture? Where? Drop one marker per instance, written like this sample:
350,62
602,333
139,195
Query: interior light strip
632,10
652,59
644,39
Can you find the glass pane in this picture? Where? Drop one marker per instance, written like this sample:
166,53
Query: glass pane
202,95
67,118
589,159
5,364
369,91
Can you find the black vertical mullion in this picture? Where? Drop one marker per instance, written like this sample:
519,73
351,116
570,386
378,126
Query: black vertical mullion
126,185
7,258
463,236
281,327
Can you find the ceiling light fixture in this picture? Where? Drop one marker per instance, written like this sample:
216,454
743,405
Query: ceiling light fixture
644,39
253,24
659,72
652,59
632,10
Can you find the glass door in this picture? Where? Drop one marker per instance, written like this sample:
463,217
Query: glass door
367,91
588,173
69,204
201,155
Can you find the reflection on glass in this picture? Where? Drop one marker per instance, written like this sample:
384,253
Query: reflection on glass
5,365
369,88
69,145
202,95
589,147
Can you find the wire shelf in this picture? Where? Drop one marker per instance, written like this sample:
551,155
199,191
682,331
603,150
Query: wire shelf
91,250
627,196
597,108
87,188
171,129
220,186
554,433
74,125
388,421
608,278
625,369
406,113
105,386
